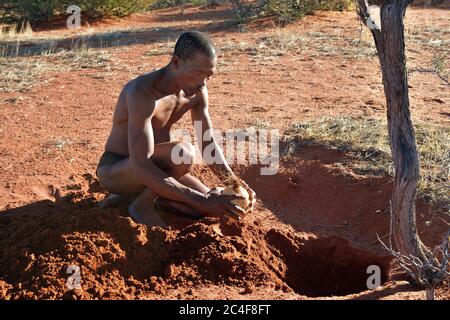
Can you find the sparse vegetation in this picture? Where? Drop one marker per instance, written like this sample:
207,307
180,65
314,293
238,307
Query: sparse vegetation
281,43
261,124
82,58
14,78
16,31
38,10
58,143
367,141
161,49
320,200
285,11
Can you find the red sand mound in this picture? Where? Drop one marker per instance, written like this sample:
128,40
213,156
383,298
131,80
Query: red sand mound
122,259
260,257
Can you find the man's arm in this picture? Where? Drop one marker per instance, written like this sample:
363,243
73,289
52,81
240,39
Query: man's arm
200,113
141,147
221,169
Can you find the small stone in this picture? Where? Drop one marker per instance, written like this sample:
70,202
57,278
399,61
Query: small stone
99,292
248,289
285,288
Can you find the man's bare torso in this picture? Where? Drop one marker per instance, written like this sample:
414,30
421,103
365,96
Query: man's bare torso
168,110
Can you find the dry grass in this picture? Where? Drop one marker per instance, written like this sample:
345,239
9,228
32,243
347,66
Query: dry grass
26,44
434,40
19,74
24,66
320,43
159,49
367,141
429,36
82,58
272,45
335,45
438,66
261,124
24,31
53,148
58,143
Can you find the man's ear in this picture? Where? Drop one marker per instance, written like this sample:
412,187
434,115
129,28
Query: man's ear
175,61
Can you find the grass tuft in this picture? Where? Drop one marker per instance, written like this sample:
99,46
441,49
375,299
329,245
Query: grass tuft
368,143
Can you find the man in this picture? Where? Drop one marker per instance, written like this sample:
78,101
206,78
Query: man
138,152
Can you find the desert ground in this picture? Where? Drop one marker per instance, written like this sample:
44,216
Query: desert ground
314,228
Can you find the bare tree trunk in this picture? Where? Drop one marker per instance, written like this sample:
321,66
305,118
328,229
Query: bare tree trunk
401,132
422,265
430,293
390,43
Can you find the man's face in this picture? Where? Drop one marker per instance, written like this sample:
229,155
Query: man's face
193,74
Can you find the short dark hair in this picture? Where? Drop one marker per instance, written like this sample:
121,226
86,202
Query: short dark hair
191,42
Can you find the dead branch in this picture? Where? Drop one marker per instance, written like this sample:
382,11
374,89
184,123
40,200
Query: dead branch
432,71
367,19
427,272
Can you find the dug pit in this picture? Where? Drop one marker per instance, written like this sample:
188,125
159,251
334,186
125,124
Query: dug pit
326,266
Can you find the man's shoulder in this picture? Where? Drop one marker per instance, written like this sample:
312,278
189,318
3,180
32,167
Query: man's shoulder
140,88
139,97
140,85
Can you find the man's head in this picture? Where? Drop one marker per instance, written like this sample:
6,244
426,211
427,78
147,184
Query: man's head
194,61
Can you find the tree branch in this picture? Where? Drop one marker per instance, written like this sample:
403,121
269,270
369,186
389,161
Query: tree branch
367,19
432,71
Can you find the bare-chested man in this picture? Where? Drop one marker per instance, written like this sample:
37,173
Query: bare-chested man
137,158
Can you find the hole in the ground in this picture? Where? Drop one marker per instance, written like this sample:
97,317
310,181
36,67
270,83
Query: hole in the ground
326,266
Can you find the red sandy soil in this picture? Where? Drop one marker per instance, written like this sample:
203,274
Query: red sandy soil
313,232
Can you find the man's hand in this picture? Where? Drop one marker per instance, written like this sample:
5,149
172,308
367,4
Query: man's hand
218,205
221,167
251,194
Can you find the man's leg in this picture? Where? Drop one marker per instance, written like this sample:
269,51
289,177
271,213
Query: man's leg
143,208
120,179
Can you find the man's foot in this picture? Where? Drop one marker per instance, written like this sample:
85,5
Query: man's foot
142,209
